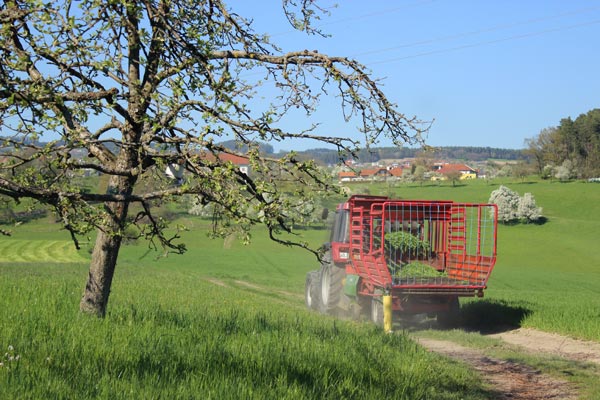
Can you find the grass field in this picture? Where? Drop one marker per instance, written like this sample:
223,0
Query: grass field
228,321
173,333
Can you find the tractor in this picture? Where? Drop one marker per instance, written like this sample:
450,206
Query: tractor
417,256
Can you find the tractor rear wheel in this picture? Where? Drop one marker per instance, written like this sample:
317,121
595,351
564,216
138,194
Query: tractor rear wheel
312,290
332,286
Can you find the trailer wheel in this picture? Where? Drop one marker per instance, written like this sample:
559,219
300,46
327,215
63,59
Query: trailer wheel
377,311
332,285
451,317
360,308
311,290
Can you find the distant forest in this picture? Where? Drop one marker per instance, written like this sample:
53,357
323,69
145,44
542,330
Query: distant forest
331,156
327,156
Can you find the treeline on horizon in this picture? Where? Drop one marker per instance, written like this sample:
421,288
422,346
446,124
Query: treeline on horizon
573,144
331,156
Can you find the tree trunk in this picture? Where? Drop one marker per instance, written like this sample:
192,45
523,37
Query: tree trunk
104,256
102,269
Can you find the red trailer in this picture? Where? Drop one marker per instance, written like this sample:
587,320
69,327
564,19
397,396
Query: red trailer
425,254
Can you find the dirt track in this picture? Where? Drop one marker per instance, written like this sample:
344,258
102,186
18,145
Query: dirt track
508,380
511,380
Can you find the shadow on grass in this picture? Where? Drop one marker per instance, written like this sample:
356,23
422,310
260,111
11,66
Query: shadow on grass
527,183
489,316
485,317
539,221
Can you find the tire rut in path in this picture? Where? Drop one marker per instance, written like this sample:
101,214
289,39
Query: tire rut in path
508,380
268,289
281,296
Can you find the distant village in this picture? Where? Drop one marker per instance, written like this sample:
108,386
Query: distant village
354,172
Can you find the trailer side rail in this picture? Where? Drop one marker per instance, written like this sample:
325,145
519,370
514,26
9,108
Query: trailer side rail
424,246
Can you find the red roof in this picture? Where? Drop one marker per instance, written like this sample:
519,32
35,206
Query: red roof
226,157
447,168
376,171
368,172
347,174
398,171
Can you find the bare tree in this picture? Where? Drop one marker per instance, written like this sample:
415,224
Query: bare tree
540,148
453,176
140,85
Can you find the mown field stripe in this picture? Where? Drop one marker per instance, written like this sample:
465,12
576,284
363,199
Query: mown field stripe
31,251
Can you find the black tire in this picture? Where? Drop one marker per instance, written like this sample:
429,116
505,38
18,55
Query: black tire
377,310
451,317
331,287
311,290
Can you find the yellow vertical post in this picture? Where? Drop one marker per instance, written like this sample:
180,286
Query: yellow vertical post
387,312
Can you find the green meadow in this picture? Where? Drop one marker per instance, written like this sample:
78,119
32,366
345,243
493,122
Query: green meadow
213,324
226,320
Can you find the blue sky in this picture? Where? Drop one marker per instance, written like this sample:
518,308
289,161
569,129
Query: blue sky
489,73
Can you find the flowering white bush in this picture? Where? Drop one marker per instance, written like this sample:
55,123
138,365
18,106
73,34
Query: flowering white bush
511,207
507,201
565,171
528,210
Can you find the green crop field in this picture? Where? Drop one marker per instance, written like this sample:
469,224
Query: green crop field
228,321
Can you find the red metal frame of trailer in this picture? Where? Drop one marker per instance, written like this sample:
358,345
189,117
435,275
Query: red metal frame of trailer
456,249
